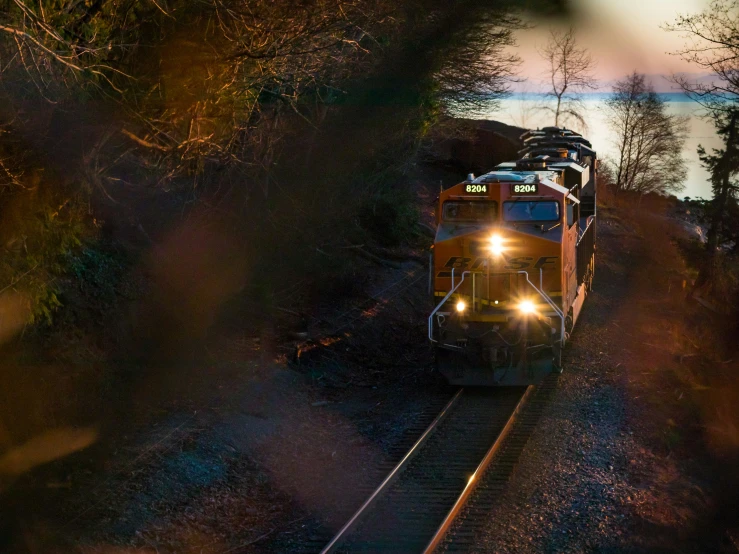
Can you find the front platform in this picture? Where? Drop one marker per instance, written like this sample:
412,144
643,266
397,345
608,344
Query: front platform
457,369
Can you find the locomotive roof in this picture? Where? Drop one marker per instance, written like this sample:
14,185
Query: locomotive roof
571,164
583,148
545,177
556,139
558,163
549,132
509,174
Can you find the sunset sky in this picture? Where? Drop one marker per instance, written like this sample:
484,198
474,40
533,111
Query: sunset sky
623,36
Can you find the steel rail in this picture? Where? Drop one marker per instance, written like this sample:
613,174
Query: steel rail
344,531
476,476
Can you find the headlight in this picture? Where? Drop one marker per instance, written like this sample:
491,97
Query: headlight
527,307
496,245
461,306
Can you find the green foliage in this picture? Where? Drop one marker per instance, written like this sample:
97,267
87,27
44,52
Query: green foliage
270,123
38,240
391,216
97,270
723,164
43,305
431,107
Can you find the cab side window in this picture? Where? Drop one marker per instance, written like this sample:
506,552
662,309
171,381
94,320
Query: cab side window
570,213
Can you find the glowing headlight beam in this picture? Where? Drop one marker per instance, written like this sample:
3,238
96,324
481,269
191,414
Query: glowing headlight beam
461,306
526,307
496,245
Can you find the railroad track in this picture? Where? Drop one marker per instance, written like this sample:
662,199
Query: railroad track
417,507
472,517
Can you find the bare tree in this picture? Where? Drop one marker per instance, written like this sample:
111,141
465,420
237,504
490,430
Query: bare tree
712,44
649,140
261,106
527,105
570,74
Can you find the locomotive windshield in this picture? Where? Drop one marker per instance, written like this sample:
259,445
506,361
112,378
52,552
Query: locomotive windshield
475,210
536,210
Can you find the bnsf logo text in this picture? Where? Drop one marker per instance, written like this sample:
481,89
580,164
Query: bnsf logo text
460,264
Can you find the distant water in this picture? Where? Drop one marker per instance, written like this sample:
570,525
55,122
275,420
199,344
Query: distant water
521,109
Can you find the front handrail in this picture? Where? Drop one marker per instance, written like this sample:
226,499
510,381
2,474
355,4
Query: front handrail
551,303
540,292
438,307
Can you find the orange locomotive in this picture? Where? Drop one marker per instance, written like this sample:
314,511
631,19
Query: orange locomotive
513,261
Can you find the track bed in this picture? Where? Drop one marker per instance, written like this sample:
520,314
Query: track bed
406,513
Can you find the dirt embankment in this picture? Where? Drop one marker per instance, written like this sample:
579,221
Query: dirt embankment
270,440
637,451
263,440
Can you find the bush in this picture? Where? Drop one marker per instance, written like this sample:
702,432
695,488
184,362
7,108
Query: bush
391,217
40,232
97,269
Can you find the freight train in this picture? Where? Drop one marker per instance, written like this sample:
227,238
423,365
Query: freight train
513,261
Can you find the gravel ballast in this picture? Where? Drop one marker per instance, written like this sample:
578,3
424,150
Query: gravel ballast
597,474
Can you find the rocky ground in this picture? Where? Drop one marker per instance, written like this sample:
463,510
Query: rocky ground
273,458
266,443
616,462
270,447
246,456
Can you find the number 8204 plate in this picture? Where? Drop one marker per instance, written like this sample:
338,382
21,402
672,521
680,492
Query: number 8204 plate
525,188
476,189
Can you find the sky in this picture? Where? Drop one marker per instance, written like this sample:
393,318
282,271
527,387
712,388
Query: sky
622,36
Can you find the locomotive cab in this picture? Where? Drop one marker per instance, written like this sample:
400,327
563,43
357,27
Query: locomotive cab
506,280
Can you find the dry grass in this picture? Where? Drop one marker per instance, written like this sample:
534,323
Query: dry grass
684,371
